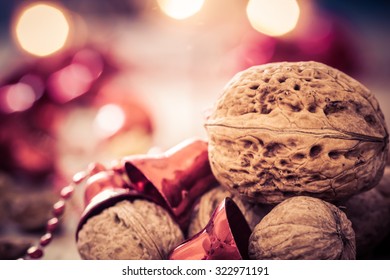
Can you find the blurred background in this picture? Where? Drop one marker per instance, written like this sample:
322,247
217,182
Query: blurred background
84,81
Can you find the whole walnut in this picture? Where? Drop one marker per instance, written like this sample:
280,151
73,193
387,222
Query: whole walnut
201,215
303,228
369,213
296,128
132,230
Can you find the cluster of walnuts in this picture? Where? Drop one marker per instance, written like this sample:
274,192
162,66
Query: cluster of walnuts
313,142
301,148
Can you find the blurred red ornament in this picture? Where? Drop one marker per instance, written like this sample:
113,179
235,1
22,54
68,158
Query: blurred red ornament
136,114
36,101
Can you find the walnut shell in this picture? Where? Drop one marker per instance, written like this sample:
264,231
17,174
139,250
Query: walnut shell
304,128
303,228
369,213
138,230
202,212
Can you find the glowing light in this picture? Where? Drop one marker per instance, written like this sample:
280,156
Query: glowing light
17,97
109,120
70,82
180,9
35,82
273,18
90,59
42,29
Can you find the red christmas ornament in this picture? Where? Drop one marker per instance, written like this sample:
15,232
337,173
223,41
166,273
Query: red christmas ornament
225,237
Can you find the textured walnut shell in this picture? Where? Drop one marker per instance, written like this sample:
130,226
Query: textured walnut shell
201,215
303,228
138,230
285,129
369,213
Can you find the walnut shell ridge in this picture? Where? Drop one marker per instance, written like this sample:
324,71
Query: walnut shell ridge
137,230
296,128
303,228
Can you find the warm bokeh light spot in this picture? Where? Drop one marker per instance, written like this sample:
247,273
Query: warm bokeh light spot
273,18
180,9
109,120
17,97
70,82
41,29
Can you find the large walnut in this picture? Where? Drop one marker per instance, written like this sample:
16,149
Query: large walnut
285,129
304,228
201,215
138,230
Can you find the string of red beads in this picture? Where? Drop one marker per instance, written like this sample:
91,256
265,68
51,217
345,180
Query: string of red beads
58,210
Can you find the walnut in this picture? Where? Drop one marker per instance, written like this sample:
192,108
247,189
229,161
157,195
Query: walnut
138,230
303,228
285,129
369,213
201,215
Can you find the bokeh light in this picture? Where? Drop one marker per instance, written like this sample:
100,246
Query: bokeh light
180,9
42,29
109,119
70,82
273,18
16,98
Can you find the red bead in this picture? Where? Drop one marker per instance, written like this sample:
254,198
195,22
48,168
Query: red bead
34,252
118,166
59,208
67,192
52,225
46,239
95,167
79,176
